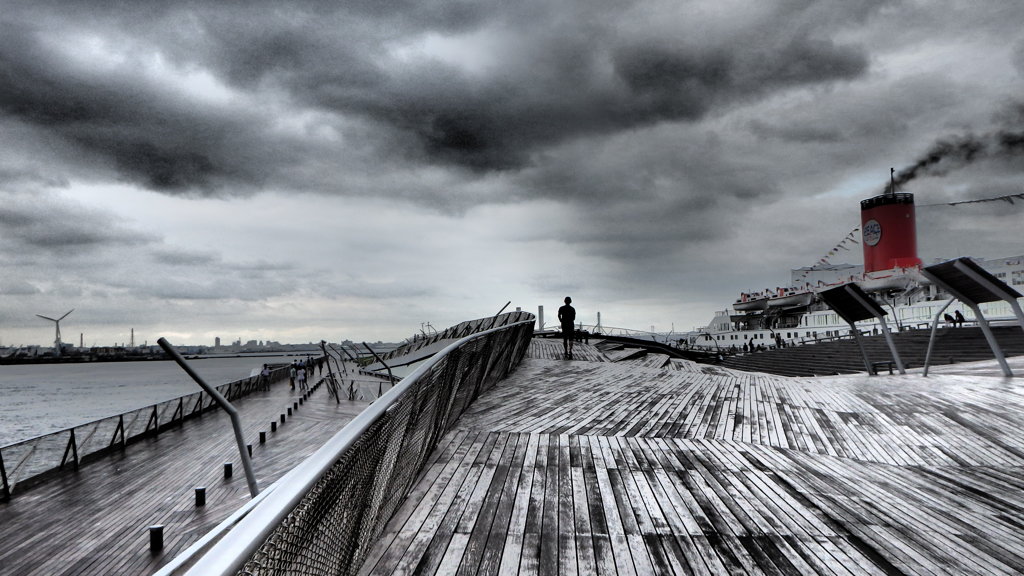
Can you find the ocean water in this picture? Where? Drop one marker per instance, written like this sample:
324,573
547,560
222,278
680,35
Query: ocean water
37,399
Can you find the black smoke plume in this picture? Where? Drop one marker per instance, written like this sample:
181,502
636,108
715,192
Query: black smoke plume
956,152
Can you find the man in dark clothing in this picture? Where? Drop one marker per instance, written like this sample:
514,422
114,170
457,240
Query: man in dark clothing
567,317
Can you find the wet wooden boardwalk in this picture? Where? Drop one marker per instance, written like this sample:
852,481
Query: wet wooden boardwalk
656,467
94,521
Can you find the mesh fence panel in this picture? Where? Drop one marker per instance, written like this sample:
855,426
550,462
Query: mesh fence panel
336,523
460,330
33,460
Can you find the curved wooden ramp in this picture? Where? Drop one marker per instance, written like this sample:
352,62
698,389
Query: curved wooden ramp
577,467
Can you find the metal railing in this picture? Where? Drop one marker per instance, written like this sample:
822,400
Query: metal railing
460,330
324,516
29,462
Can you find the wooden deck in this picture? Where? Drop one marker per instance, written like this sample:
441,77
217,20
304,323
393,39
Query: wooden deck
94,521
597,467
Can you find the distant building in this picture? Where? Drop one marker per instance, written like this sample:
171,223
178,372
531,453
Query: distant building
216,342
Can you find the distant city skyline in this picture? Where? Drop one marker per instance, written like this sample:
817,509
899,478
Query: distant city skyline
313,171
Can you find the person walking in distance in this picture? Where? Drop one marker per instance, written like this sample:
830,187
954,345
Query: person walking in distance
265,378
567,316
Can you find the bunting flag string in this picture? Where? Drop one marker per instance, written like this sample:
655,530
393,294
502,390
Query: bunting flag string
850,238
1007,198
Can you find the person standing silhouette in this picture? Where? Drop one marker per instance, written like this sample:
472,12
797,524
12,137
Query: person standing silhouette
567,316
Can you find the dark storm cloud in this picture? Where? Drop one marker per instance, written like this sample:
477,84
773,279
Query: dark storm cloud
567,91
119,117
562,74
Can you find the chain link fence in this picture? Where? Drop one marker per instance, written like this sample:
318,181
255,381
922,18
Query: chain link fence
324,516
29,462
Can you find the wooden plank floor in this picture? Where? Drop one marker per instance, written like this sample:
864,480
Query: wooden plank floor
94,521
585,467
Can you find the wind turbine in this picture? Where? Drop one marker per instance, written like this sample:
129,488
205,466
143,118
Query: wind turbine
56,341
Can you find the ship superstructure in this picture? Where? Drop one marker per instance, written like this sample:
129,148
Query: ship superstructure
794,314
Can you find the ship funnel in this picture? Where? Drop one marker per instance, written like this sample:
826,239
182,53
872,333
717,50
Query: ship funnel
889,232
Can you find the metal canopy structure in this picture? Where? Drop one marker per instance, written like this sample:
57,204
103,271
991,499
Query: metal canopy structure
971,284
853,304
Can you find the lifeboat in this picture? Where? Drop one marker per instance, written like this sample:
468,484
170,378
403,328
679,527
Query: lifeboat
751,302
885,283
791,299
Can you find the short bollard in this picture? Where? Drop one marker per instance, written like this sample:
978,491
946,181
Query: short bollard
282,418
301,400
200,496
227,470
263,437
273,426
249,448
289,411
295,405
156,538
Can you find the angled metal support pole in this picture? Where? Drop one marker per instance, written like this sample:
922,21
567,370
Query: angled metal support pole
236,422
931,339
965,283
860,345
391,376
997,350
885,330
495,320
331,385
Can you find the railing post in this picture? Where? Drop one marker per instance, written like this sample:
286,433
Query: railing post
3,476
72,447
155,421
120,428
179,412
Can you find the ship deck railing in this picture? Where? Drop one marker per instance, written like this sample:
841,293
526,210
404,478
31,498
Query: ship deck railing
28,462
324,516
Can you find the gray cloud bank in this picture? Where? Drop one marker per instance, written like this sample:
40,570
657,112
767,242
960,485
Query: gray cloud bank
673,136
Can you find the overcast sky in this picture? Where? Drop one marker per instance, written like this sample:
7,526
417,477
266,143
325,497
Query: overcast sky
302,171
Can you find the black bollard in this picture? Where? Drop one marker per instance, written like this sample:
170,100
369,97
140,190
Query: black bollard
282,418
273,426
200,496
295,405
289,410
249,448
227,470
156,538
263,437
301,400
